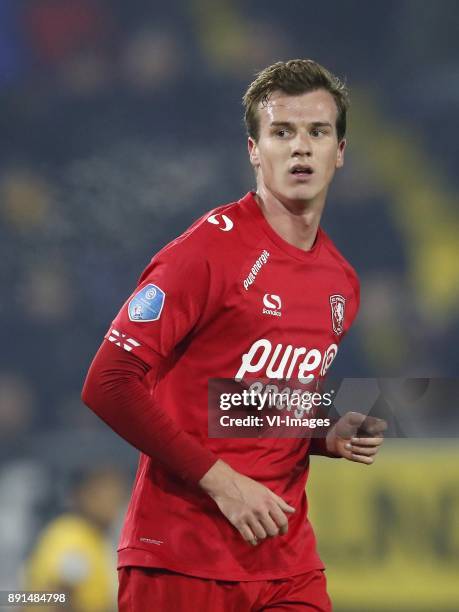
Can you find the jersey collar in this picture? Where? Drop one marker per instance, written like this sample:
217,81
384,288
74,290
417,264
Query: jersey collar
251,205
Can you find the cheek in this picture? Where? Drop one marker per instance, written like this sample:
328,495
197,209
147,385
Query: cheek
330,162
267,159
274,159
272,162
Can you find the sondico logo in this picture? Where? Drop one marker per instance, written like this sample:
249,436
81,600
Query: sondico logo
217,220
286,361
272,305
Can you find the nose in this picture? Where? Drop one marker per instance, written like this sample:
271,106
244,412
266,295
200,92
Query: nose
302,146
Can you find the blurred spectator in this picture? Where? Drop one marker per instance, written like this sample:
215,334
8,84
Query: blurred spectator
22,482
26,198
74,552
24,486
45,294
152,59
17,405
59,29
233,44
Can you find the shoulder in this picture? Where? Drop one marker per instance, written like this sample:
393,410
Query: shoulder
203,252
210,240
219,225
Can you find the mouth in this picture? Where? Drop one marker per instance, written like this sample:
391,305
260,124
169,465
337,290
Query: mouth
301,171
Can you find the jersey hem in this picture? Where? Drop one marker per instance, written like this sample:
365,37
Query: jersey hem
132,557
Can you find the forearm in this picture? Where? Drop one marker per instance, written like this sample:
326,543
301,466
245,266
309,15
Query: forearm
219,479
114,391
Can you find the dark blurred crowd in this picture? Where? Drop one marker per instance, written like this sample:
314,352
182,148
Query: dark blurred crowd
121,123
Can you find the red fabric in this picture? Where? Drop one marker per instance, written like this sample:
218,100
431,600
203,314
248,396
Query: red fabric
318,446
212,323
59,28
114,389
153,589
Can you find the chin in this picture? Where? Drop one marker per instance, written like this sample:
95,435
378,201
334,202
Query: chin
297,194
302,194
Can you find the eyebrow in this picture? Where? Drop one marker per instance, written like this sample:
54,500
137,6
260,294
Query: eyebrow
289,124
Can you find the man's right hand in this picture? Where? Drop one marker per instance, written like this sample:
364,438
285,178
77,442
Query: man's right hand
255,511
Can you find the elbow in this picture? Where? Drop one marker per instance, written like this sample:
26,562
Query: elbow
94,392
95,397
85,395
87,392
112,379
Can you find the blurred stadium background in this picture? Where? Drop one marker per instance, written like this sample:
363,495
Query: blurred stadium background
120,123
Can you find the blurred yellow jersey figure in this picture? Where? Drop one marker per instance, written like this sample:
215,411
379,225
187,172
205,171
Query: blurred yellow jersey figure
73,555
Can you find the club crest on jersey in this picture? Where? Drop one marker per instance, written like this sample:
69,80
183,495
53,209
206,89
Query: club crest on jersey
147,304
337,304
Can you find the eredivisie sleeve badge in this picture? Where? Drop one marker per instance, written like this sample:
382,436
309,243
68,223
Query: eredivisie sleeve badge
147,304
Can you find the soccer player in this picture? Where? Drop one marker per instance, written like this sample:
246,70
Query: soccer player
253,288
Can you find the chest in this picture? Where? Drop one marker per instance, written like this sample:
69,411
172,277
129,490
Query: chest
283,319
294,302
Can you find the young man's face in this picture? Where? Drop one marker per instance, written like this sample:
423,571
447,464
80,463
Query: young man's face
297,151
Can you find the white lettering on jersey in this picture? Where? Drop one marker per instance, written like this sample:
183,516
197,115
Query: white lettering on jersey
259,263
215,220
282,362
122,340
151,541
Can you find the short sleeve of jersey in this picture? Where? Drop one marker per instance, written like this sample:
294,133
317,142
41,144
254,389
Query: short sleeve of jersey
165,306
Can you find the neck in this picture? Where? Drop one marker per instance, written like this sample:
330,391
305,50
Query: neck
296,223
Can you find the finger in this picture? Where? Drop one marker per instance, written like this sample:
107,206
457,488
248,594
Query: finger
362,459
257,528
373,426
355,418
367,451
283,505
349,424
248,535
279,519
270,526
366,441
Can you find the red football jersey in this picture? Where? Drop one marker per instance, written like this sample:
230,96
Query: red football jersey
230,298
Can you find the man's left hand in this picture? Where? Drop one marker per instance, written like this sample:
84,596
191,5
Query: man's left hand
356,437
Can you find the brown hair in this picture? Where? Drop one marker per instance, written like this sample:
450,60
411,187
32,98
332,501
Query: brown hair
293,78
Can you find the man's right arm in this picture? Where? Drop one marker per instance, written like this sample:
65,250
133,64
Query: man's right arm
115,391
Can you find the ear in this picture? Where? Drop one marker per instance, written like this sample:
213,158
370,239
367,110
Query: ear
253,152
340,153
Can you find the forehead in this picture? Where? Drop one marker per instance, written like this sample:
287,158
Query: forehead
308,107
